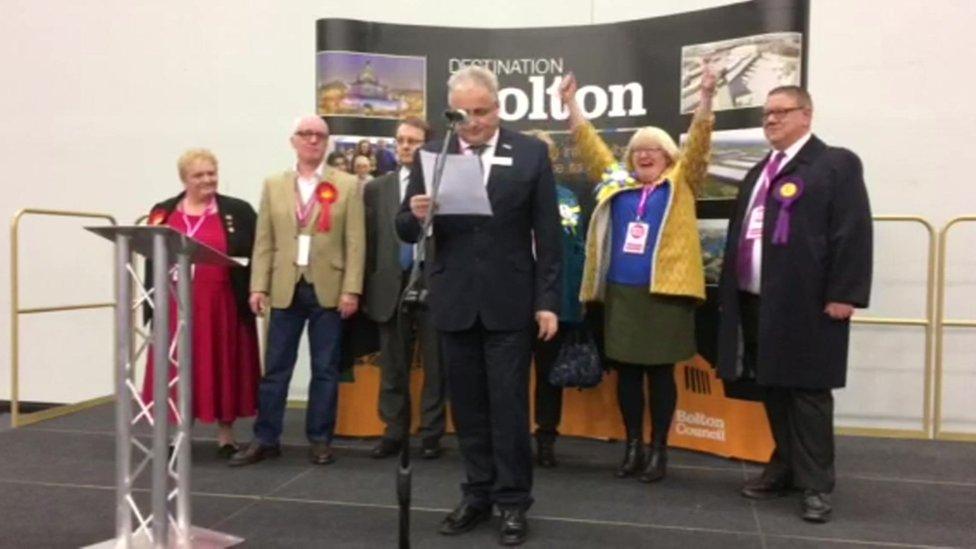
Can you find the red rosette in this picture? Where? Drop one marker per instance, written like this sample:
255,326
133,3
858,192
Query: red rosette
326,194
157,217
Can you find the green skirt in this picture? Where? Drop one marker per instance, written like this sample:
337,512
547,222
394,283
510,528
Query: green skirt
647,329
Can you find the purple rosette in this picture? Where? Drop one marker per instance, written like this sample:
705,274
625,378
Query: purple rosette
787,192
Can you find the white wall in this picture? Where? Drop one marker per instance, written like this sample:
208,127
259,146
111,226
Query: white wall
102,96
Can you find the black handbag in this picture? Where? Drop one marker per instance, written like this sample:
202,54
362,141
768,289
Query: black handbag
578,362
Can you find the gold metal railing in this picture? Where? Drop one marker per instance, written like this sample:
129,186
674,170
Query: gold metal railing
16,418
941,323
928,322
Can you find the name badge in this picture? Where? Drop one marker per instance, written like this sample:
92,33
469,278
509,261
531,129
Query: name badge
501,160
636,241
754,229
304,245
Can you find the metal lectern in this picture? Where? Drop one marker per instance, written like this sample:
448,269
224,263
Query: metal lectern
172,254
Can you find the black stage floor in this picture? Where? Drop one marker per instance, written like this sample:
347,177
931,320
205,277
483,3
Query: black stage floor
56,490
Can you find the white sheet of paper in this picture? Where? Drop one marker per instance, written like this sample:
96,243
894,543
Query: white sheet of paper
304,245
462,190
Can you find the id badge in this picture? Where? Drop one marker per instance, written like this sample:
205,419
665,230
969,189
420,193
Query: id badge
304,244
755,228
636,241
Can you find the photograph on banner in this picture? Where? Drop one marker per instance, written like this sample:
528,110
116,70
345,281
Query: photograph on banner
713,235
371,85
752,66
568,165
349,144
734,153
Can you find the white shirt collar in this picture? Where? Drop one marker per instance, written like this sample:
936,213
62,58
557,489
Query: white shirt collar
793,149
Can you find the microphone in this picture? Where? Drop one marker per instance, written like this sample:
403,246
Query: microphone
456,116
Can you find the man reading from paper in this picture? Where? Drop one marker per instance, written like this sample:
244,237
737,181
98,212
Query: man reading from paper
485,289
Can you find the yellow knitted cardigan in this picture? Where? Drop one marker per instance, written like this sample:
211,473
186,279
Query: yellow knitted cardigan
677,260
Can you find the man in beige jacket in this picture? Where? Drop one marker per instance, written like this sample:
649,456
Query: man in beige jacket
307,267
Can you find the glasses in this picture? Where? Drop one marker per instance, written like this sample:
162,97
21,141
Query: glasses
778,113
307,135
648,150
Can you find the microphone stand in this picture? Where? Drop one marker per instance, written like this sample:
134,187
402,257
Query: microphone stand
414,297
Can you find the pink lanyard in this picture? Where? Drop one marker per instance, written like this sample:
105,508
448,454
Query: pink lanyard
192,229
643,201
303,210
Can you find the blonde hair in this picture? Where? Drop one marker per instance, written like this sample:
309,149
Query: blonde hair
191,156
651,135
544,136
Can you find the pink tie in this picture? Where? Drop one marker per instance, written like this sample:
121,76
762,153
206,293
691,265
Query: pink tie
744,255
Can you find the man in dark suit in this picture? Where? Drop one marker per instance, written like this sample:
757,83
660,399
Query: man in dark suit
485,287
388,265
797,263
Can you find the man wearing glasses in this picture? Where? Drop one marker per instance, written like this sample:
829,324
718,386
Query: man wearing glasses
388,265
307,268
797,263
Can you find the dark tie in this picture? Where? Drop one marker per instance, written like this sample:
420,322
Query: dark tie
744,256
478,150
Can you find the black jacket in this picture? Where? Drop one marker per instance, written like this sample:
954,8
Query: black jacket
826,259
239,220
484,267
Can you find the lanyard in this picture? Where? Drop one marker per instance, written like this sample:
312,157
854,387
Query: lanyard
643,200
303,210
192,229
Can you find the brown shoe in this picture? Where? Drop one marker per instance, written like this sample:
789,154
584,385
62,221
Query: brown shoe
254,453
321,453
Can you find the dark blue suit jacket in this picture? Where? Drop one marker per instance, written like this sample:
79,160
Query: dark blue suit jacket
484,267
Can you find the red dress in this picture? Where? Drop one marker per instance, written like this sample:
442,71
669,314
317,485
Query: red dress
226,368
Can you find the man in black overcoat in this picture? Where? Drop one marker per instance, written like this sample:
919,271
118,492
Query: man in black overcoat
797,263
486,286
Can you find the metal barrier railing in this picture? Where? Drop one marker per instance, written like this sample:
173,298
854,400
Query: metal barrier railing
18,419
941,323
928,322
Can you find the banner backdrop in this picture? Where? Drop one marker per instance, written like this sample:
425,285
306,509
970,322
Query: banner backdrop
631,74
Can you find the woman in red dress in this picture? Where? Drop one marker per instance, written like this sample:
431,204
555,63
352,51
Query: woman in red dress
226,367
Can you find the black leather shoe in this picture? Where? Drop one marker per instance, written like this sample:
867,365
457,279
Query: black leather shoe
321,453
816,506
254,453
545,453
385,448
633,459
514,527
430,448
768,485
463,519
656,466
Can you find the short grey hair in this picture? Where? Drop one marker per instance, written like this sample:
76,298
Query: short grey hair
473,74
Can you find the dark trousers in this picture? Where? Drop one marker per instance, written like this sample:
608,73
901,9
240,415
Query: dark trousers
661,390
548,397
397,340
801,420
488,380
284,333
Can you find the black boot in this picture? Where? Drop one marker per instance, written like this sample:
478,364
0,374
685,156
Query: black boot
633,459
545,453
657,463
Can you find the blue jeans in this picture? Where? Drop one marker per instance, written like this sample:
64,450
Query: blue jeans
284,333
